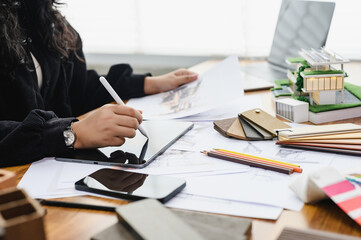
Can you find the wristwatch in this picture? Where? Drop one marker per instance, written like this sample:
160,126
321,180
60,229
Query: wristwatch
69,136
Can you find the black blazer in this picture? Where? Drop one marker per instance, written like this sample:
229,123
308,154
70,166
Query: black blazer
32,120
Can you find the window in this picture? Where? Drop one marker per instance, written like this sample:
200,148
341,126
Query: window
197,27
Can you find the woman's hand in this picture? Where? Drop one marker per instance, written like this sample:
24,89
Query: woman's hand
106,126
168,81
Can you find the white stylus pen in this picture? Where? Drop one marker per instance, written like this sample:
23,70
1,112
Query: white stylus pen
116,97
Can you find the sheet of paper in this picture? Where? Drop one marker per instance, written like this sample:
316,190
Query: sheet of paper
256,186
48,178
216,87
228,110
222,206
182,157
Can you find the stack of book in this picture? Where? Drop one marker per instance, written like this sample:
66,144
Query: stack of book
341,138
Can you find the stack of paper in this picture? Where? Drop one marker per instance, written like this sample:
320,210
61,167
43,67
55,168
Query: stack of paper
343,138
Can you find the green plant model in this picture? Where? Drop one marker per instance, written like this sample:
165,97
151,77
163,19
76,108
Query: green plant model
299,80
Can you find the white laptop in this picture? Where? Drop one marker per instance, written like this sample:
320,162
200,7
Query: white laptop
301,24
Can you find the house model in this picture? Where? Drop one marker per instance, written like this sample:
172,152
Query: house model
319,82
318,76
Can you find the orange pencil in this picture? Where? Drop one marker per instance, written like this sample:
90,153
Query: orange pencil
260,160
286,170
266,159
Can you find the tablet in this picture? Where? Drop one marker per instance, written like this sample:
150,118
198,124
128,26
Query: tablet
131,186
136,152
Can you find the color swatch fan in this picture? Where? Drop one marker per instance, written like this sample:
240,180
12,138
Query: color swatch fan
346,194
341,138
250,125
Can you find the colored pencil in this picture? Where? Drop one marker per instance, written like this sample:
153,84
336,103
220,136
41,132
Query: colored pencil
262,160
286,170
243,154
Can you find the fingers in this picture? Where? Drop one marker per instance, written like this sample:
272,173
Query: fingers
107,126
115,141
184,76
118,122
126,111
186,79
182,72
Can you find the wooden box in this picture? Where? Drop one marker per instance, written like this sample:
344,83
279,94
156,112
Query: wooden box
20,216
7,179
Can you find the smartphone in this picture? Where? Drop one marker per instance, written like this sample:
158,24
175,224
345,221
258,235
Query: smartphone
131,186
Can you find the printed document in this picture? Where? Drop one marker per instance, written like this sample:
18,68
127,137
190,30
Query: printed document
214,88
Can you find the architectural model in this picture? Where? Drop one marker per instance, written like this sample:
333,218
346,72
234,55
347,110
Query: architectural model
293,110
318,76
319,81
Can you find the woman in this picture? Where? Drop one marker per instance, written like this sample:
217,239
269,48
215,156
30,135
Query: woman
44,84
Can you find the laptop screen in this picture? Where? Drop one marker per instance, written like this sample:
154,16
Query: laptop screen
301,24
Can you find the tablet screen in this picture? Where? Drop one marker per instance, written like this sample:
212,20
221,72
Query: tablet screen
135,152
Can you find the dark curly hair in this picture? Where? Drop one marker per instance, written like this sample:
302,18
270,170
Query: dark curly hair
46,23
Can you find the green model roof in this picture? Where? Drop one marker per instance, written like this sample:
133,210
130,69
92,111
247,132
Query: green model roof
299,60
282,82
307,73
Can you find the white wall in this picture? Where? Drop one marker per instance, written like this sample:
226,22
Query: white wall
197,27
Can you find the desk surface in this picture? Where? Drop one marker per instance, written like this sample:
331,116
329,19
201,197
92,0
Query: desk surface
63,223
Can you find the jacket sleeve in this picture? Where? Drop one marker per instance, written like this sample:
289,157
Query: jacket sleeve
38,136
86,91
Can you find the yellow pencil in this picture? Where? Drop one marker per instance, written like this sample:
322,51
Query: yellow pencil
265,159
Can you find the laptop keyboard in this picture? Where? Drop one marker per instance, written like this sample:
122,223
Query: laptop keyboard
263,71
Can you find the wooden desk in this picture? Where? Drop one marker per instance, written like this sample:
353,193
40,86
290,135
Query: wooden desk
63,223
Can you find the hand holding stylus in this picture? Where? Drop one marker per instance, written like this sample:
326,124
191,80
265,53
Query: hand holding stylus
117,99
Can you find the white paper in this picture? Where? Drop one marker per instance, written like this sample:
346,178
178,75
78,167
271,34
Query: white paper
257,186
183,157
48,178
228,110
176,162
216,87
253,185
221,206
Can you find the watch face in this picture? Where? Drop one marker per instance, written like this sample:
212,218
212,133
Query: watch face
69,137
